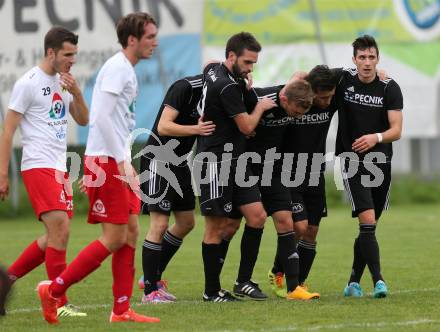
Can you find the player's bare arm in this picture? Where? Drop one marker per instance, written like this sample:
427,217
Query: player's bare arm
395,119
10,126
367,142
78,108
168,127
248,122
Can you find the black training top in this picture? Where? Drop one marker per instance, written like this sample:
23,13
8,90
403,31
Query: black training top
221,101
183,96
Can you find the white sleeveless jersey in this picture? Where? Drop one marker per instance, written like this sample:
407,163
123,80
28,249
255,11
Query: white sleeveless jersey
45,107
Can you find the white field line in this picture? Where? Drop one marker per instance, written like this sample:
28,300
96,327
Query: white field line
377,325
97,306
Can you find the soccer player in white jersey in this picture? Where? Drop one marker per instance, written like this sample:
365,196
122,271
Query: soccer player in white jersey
40,103
113,203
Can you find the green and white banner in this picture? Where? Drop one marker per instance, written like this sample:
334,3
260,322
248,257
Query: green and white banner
298,34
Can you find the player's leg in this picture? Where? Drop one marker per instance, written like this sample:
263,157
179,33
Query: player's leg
57,228
307,251
31,257
104,208
381,201
5,288
278,202
315,202
215,205
286,251
171,242
57,225
255,216
375,198
158,201
56,197
87,261
299,216
173,237
183,209
123,269
212,263
151,255
231,227
362,204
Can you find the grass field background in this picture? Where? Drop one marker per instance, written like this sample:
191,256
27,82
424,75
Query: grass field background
409,240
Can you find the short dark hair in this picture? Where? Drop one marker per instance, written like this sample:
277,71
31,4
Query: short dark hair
321,78
241,41
132,25
299,92
364,42
56,36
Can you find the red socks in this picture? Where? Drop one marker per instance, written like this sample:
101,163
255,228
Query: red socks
29,259
55,265
87,261
123,274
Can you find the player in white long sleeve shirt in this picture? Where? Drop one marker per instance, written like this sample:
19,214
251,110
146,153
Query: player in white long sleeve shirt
113,202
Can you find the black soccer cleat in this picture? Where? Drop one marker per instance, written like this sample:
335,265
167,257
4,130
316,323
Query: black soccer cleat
5,288
249,289
222,296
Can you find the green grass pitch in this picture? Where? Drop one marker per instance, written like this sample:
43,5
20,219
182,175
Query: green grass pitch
410,244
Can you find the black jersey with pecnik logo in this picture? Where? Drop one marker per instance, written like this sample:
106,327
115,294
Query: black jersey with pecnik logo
363,109
308,134
273,123
183,96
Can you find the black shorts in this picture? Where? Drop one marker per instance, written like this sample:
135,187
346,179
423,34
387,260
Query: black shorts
309,202
368,188
158,195
275,196
220,195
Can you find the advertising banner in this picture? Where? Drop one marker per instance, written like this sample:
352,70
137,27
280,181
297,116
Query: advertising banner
24,24
298,34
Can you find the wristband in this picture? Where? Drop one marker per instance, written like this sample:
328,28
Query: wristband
379,137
